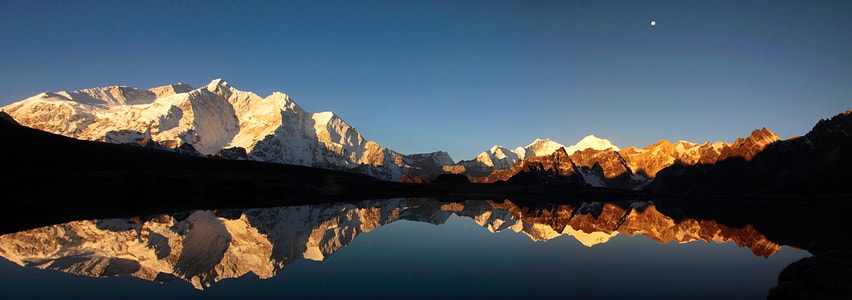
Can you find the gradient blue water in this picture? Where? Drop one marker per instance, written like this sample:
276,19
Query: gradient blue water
460,259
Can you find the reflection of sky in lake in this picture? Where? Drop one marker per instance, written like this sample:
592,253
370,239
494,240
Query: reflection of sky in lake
460,259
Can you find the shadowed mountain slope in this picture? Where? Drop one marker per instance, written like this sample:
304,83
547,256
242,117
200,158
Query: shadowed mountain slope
816,163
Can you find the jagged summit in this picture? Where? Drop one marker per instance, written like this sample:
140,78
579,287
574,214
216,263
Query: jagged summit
763,136
499,157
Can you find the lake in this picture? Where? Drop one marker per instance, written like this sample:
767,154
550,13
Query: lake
398,248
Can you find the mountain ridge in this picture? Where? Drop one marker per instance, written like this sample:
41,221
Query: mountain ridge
213,118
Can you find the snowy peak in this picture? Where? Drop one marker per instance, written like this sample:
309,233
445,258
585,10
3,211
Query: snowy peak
591,142
541,147
219,87
501,152
498,157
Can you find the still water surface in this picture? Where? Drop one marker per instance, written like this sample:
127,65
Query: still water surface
396,248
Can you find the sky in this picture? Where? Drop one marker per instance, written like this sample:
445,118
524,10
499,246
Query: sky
462,76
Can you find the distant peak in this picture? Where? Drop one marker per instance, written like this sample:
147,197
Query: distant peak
763,132
217,83
593,142
592,138
541,147
540,141
763,136
495,148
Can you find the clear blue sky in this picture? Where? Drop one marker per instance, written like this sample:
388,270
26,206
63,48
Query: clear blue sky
461,76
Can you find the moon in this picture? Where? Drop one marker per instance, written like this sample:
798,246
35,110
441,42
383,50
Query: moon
653,23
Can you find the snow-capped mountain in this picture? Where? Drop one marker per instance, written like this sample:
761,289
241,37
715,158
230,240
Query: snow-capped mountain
499,157
214,118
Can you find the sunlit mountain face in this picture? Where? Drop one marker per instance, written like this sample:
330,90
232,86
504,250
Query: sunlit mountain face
205,246
605,165
218,120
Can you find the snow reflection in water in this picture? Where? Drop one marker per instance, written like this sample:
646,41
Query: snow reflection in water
584,249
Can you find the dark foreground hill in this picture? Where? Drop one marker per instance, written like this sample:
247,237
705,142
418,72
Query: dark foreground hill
817,163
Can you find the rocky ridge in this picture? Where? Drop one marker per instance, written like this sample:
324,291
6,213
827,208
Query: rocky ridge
597,162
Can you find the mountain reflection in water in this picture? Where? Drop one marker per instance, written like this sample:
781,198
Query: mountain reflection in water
204,247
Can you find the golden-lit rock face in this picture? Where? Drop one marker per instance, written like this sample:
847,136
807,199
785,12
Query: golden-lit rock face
653,158
610,161
204,248
556,164
636,166
453,169
747,148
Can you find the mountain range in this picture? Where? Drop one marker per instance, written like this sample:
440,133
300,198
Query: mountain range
218,120
597,162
